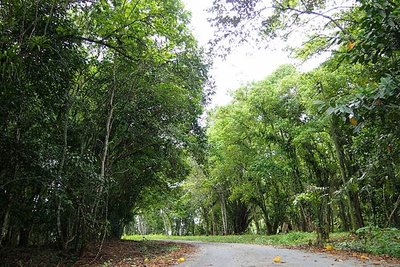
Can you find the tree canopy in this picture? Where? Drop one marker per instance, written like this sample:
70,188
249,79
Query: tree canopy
100,100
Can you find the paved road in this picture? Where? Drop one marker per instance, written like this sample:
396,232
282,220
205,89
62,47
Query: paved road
244,255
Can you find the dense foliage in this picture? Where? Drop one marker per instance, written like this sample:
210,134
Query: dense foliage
316,151
100,104
99,100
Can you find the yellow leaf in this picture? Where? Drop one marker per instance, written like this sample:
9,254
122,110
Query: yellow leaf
181,259
353,121
277,259
146,260
329,247
350,45
364,257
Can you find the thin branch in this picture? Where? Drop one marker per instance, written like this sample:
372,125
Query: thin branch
309,12
396,205
106,44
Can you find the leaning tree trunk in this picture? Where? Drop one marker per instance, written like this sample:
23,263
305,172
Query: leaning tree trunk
103,182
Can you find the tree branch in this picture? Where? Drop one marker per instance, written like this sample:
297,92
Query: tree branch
309,12
102,42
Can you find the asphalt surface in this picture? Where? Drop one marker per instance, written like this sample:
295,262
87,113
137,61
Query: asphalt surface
245,255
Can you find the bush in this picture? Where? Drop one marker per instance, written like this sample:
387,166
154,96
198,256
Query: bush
374,240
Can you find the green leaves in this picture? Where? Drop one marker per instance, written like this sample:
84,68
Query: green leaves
99,100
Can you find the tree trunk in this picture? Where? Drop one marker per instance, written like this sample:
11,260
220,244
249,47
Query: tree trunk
267,220
343,216
344,171
103,182
6,223
206,221
116,228
213,224
167,223
255,218
107,137
321,177
224,214
392,214
240,216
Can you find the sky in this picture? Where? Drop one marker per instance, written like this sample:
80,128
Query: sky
242,66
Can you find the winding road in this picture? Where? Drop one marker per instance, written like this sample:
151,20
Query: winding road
246,255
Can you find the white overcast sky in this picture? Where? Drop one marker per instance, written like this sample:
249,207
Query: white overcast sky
242,66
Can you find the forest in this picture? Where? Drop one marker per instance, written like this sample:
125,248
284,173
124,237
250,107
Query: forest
306,151
102,132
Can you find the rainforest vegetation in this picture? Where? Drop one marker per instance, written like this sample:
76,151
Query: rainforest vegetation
302,151
101,131
99,102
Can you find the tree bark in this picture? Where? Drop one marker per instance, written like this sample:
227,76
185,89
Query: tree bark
224,214
321,177
105,147
213,224
167,223
60,173
343,216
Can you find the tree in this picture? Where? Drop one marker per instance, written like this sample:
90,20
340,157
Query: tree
324,22
101,101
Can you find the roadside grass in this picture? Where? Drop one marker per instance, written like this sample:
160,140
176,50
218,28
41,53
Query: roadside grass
290,239
366,240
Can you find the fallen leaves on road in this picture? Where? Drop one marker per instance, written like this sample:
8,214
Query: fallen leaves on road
277,259
180,260
124,253
364,257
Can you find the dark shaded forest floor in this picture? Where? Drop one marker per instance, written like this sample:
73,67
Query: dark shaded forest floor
119,253
123,253
35,256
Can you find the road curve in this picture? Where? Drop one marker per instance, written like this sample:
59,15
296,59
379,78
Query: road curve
246,255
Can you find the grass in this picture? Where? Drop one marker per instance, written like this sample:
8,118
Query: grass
293,238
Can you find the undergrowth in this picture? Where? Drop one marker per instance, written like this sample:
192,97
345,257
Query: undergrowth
373,240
